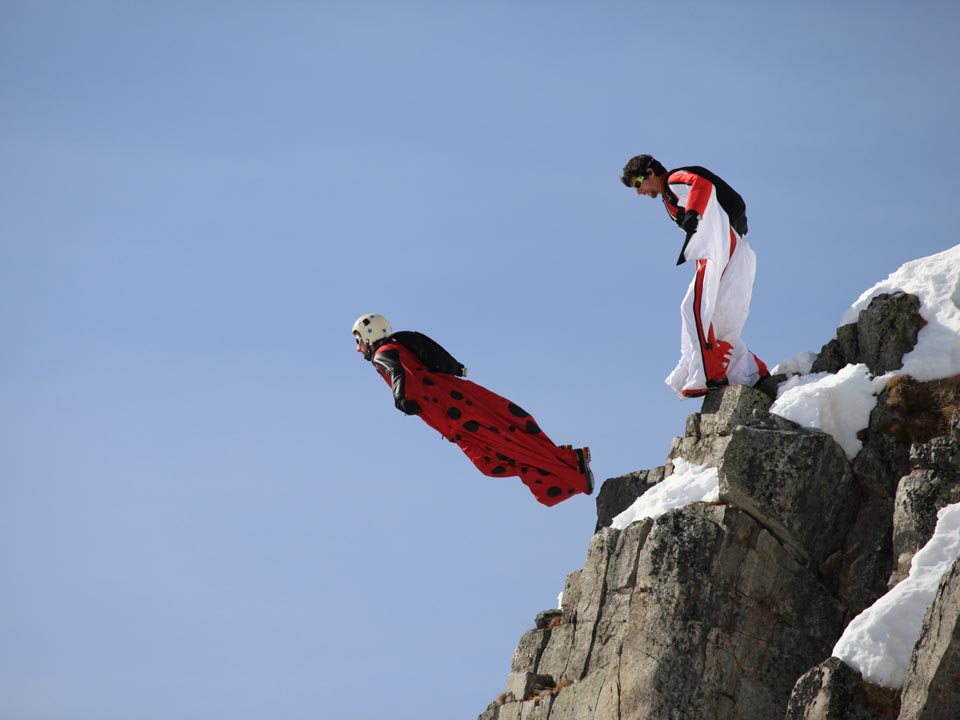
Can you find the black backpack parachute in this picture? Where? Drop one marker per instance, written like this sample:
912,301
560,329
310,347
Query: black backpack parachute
729,199
429,351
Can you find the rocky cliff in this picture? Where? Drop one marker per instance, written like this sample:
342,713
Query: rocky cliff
731,609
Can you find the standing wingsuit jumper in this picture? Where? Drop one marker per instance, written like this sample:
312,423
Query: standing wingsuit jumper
716,305
500,438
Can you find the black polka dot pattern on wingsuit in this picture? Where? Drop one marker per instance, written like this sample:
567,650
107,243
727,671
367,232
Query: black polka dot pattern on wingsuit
498,436
517,410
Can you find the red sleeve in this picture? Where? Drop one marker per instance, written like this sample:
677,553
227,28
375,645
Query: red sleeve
700,189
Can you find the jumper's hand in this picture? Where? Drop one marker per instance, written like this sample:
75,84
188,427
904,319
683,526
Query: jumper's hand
690,222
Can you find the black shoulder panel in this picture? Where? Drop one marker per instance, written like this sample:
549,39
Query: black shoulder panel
430,352
729,199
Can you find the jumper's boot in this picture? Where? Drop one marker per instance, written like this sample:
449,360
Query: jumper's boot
716,358
768,384
583,460
761,366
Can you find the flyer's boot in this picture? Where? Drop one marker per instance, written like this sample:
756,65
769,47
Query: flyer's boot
716,358
583,459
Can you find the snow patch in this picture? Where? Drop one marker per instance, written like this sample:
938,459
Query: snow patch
689,484
838,404
879,641
797,365
935,280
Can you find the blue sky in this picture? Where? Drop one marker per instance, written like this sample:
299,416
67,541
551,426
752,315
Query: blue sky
208,505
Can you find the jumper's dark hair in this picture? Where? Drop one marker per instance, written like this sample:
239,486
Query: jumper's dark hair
638,166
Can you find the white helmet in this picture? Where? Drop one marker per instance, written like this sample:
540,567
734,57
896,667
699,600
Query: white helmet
372,327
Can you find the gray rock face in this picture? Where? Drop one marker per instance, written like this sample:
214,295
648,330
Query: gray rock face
932,687
831,691
797,483
699,614
842,350
619,493
720,610
868,550
706,436
933,483
708,432
885,331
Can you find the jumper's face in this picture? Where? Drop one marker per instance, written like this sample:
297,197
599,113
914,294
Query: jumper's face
361,345
647,184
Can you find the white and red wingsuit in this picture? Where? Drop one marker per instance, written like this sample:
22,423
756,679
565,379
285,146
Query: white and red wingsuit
716,305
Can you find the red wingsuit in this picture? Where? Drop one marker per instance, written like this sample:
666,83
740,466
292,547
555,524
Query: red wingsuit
499,437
